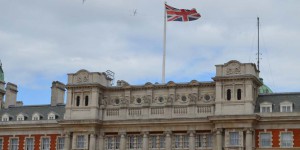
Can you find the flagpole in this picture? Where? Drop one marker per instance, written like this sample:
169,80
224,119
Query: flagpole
164,51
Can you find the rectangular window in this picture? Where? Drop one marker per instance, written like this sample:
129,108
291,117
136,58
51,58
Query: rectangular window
80,141
112,142
60,143
1,144
234,138
266,109
265,139
29,144
181,141
14,144
286,139
203,140
286,109
135,142
209,139
45,144
156,142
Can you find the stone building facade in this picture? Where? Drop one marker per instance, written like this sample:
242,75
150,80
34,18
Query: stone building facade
227,113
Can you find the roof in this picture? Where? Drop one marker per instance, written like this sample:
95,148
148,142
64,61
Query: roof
43,110
277,98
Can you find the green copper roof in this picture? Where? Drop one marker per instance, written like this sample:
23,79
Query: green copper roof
264,89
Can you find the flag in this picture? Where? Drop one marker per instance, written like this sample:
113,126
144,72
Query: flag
174,14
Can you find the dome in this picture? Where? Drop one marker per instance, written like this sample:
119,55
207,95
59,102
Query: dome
264,89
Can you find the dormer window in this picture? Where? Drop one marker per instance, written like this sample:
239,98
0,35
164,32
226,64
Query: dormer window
286,106
51,116
5,117
265,107
20,117
36,116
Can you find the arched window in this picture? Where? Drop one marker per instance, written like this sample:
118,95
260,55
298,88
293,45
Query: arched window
239,94
77,100
228,94
86,102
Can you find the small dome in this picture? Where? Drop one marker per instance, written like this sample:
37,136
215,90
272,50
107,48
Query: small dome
264,89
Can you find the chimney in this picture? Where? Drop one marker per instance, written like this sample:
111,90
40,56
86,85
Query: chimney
11,95
57,93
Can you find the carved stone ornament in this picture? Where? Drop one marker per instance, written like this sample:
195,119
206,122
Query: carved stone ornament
82,77
233,68
147,99
193,97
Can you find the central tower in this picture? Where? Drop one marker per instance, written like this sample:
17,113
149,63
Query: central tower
236,88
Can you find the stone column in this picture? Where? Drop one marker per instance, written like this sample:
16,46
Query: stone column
123,141
168,140
218,139
191,140
92,141
145,141
249,143
67,141
101,141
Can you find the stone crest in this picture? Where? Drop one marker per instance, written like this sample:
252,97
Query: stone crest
233,68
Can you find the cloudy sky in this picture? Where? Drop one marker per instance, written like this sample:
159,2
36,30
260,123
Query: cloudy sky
43,40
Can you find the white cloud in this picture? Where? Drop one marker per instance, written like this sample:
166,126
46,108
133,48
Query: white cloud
44,40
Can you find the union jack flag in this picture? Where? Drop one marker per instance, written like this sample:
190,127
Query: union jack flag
174,14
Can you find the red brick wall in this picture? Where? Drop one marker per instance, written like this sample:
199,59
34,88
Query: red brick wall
21,141
5,142
37,139
296,133
275,136
53,141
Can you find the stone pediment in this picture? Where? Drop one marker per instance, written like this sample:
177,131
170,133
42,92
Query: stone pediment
233,67
82,76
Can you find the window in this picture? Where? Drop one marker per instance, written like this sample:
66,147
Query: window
20,117
45,144
135,142
36,116
86,101
77,100
1,144
234,138
51,116
265,140
157,141
286,106
5,117
265,107
60,143
228,94
80,140
29,144
14,144
239,94
112,142
203,140
286,139
181,141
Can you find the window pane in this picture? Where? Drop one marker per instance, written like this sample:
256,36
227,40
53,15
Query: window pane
80,141
29,144
234,138
265,139
286,140
14,144
61,143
